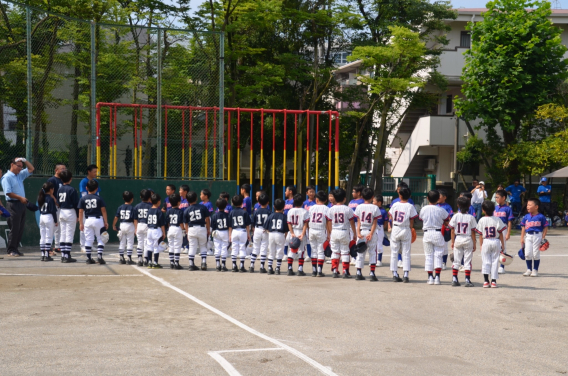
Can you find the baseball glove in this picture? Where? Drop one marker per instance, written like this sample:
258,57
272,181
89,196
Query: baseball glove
544,244
452,256
413,235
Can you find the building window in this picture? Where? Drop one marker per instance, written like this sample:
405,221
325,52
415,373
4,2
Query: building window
449,104
340,58
465,39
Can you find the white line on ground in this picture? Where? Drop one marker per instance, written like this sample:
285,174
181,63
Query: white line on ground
249,350
293,351
70,275
228,367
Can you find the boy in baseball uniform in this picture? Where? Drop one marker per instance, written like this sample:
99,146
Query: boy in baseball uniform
378,201
220,231
433,218
491,240
505,213
298,219
68,200
174,222
533,232
260,236
197,224
277,227
92,219
367,216
239,235
463,240
141,224
125,213
448,208
156,231
341,218
356,201
402,215
320,230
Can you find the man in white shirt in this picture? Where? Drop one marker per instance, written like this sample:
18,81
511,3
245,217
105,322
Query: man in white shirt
479,194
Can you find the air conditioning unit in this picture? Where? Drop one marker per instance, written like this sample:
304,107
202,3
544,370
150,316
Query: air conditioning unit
430,164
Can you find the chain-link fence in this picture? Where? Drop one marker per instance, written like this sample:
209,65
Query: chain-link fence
76,64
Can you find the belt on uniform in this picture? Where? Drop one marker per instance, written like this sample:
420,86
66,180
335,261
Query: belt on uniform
437,229
197,226
533,232
93,217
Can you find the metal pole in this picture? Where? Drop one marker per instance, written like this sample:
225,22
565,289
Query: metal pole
94,137
159,107
221,141
456,141
29,73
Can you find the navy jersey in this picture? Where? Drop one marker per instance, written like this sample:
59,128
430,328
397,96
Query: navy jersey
505,213
174,217
57,183
195,215
156,218
141,212
49,207
288,204
68,198
535,223
125,213
220,221
208,205
277,222
260,216
92,205
247,205
238,218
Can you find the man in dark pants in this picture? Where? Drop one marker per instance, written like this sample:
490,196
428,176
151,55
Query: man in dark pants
13,186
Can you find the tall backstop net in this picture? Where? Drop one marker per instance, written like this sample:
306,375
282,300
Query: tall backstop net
55,69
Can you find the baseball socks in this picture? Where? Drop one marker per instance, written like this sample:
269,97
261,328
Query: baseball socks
314,266
346,273
372,272
468,278
290,266
430,278
437,278
301,267
455,281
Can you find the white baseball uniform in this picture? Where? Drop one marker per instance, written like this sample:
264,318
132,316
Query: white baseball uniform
46,230
127,241
221,243
463,225
340,217
68,223
433,218
367,214
297,217
401,237
318,233
490,227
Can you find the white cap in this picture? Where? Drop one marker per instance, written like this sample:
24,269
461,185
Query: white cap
481,183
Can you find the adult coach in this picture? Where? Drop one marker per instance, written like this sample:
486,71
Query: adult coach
545,194
91,175
13,186
57,183
516,191
479,194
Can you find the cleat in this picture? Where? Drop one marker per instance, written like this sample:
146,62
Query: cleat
90,261
42,258
405,280
359,277
373,278
379,263
437,281
527,273
321,274
203,266
263,270
235,269
224,269
485,285
172,265
301,273
443,266
251,270
130,262
62,258
534,273
270,271
291,272
145,263
68,260
178,266
501,270
277,271
335,275
468,284
455,283
314,274
218,268
139,263
430,280
157,266
346,276
242,270
192,268
493,285
101,261
122,261
396,278
48,258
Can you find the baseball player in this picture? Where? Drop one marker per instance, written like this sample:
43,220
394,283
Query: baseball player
356,201
247,201
297,220
227,197
289,194
156,231
205,201
447,207
378,201
220,231
68,204
141,224
341,218
330,200
174,223
491,240
320,230
47,219
401,184
183,204
91,175
170,190
367,216
277,228
92,219
258,205
57,183
311,193
197,224
463,227
505,213
433,218
125,213
533,233
239,232
402,215
260,236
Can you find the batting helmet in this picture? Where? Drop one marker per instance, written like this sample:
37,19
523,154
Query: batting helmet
352,250
361,247
163,247
544,244
326,249
413,231
522,253
294,244
386,242
505,258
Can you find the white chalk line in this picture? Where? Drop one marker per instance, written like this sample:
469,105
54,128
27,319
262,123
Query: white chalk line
68,275
227,366
293,351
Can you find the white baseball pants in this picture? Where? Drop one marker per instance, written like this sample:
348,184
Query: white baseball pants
371,250
57,230
221,243
141,233
317,238
175,239
127,242
197,238
276,241
82,238
239,241
434,248
380,236
532,246
301,250
490,257
153,240
67,224
92,230
260,242
339,243
46,230
463,247
401,240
